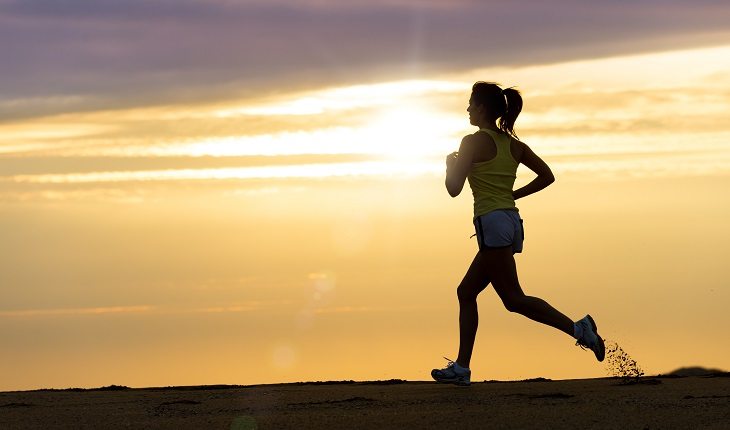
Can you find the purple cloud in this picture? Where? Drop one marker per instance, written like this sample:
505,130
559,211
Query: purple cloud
108,53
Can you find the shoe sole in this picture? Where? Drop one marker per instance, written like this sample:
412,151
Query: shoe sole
455,381
602,353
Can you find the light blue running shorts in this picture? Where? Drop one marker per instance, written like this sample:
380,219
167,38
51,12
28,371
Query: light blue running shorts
500,228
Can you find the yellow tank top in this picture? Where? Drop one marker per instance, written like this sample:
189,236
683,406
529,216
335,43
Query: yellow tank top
491,181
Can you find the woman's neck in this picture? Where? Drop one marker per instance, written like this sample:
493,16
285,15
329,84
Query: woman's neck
488,125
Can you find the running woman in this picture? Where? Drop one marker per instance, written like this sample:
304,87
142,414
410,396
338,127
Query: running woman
489,159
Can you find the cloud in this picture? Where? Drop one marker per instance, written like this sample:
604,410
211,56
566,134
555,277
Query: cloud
10,166
75,55
248,306
575,113
77,311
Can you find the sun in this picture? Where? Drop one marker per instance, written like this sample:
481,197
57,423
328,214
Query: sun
407,132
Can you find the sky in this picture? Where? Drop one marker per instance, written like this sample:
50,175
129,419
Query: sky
191,190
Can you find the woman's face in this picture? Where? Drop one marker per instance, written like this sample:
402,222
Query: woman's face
476,112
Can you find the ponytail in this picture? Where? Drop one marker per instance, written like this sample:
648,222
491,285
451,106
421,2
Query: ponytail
514,107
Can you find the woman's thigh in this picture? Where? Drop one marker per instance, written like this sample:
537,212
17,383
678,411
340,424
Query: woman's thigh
476,278
502,271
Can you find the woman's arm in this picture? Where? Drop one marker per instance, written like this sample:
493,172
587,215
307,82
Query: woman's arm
544,178
458,165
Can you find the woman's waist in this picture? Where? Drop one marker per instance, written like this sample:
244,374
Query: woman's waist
493,195
485,206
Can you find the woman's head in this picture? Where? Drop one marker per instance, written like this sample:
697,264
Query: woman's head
488,103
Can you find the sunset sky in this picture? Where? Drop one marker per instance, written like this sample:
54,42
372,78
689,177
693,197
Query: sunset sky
242,192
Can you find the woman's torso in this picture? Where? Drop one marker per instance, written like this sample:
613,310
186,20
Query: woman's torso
494,169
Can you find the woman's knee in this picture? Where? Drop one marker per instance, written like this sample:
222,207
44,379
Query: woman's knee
515,303
466,293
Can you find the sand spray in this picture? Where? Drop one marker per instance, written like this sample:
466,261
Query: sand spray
620,364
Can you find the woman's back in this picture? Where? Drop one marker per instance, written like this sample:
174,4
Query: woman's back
493,171
485,147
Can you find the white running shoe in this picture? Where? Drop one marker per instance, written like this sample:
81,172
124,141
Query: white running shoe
452,374
590,338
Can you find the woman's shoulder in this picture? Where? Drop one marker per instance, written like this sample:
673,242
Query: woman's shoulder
479,145
475,140
478,136
517,148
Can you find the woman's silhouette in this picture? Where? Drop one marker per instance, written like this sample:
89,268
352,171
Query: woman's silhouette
489,159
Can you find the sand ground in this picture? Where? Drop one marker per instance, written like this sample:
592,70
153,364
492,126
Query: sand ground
654,403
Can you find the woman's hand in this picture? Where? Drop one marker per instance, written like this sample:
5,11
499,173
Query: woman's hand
458,165
451,159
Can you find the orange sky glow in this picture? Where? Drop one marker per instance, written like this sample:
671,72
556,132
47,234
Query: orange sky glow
307,234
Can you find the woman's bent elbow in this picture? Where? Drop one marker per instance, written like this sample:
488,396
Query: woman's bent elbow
453,190
548,179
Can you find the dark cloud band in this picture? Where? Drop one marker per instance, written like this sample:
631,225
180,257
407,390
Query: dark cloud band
108,53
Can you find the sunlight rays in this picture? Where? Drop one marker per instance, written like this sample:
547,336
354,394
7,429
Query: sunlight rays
586,116
345,98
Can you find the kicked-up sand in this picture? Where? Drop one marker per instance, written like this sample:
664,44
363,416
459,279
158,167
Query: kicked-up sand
645,403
